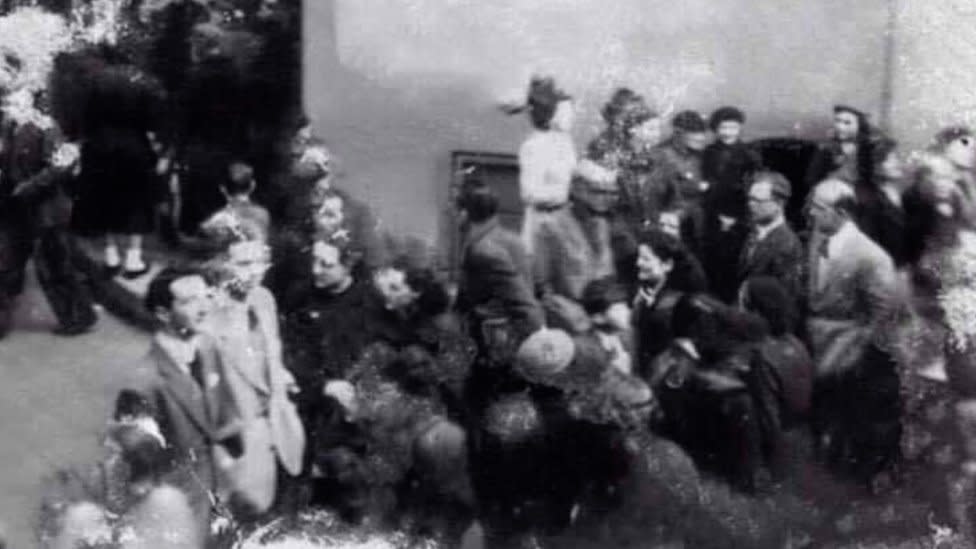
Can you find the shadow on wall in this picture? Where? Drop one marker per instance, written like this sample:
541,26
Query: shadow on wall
395,86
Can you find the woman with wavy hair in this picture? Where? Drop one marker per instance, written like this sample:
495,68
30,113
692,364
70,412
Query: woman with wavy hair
623,148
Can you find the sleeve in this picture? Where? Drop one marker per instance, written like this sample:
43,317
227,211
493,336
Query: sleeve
503,280
788,267
532,174
879,283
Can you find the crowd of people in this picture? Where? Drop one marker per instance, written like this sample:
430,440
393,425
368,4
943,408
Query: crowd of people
658,317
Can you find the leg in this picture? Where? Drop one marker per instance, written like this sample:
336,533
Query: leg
134,265
70,298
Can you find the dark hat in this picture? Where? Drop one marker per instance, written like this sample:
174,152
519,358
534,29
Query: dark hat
543,91
726,114
627,108
847,108
689,121
600,294
543,94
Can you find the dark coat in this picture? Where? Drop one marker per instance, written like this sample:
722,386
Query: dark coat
324,333
652,328
780,255
495,279
199,424
727,168
885,222
792,375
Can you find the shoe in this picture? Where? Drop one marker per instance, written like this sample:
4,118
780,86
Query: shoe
73,330
132,275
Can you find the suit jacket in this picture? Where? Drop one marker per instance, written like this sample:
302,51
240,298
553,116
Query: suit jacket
884,221
779,255
652,328
726,168
573,253
495,279
195,421
849,303
250,340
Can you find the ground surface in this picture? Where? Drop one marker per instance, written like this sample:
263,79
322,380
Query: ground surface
55,395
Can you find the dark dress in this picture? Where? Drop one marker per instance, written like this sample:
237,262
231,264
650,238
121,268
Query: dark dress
118,188
212,128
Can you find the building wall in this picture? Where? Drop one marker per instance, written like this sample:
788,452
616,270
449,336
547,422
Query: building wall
934,69
395,85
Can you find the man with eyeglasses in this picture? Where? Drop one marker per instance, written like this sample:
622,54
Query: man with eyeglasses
772,248
852,285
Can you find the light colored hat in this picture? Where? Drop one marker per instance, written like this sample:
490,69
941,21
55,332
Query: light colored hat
544,354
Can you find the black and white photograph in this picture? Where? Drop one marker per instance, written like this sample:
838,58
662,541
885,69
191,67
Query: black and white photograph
487,274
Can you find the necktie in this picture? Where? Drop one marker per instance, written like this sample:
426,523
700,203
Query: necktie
751,244
824,248
196,371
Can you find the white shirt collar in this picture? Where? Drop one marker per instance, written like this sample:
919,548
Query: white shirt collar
892,193
180,351
762,231
840,238
688,346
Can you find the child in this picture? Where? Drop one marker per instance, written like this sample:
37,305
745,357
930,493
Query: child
606,304
240,219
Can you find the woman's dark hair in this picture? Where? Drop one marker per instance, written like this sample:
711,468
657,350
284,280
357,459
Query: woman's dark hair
687,274
867,139
880,151
478,199
433,298
768,298
142,451
600,294
626,109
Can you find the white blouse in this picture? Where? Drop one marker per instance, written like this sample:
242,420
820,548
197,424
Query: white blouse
547,161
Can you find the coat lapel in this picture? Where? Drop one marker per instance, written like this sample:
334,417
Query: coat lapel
184,389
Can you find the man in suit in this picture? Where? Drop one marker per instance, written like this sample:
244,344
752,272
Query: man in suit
183,386
495,273
851,290
494,290
772,249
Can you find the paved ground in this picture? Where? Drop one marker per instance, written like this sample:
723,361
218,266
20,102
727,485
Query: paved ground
55,395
